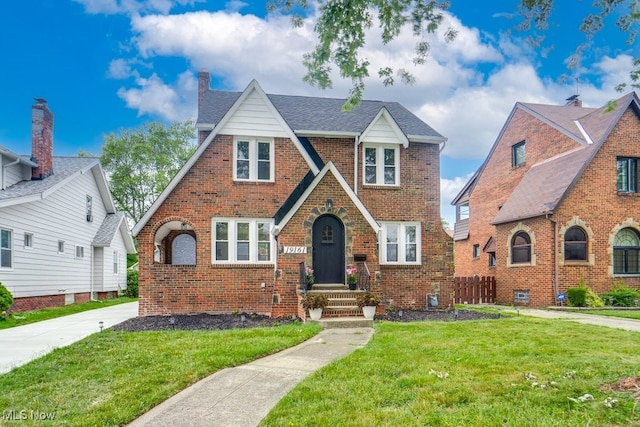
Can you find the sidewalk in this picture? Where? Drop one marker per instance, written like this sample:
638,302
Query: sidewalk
28,342
243,395
591,319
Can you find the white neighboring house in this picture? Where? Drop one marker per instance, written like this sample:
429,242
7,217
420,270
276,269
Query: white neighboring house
61,238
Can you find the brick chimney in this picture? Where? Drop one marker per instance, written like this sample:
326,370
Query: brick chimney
204,84
574,100
41,139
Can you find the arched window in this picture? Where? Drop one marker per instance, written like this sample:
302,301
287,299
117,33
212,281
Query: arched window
183,250
521,248
575,244
626,252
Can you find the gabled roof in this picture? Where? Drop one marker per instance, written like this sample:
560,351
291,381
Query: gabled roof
112,224
586,126
307,115
329,168
26,160
547,183
299,116
65,169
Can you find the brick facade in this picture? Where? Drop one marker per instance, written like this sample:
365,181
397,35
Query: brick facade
591,203
208,191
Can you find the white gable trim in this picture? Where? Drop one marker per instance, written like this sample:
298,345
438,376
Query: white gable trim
253,86
330,167
383,114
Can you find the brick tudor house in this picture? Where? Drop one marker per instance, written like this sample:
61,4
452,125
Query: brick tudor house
555,203
272,187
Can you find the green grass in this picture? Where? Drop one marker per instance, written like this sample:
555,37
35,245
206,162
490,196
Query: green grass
627,314
25,317
472,373
110,378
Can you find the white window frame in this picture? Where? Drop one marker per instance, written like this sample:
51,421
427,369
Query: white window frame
402,243
61,246
28,241
380,164
78,251
253,158
8,249
116,262
233,243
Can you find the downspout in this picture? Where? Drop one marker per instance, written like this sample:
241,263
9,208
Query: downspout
355,163
556,274
91,294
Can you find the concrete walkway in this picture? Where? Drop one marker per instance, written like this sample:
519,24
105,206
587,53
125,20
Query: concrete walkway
28,342
242,396
591,319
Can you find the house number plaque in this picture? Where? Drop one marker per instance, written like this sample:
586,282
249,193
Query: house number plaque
294,249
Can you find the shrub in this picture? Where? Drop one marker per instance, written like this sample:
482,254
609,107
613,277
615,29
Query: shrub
6,299
593,300
621,296
132,284
577,297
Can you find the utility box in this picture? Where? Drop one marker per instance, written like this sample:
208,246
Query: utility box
432,301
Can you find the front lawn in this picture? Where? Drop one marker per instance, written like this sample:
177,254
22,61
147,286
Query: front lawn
626,313
110,378
25,317
516,371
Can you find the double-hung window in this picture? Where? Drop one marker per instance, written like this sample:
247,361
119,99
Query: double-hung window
253,159
242,240
381,164
6,253
627,181
400,243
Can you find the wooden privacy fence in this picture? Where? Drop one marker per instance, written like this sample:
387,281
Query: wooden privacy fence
474,290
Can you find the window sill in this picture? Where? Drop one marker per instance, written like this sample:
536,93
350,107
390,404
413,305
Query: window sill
252,182
381,187
400,266
628,193
264,265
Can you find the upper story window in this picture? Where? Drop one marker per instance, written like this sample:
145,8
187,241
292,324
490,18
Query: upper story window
575,244
518,154
253,159
381,164
463,211
242,241
626,252
627,181
400,243
521,248
6,252
89,208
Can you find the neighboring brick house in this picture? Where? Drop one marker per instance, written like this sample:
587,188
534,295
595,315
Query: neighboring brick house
272,185
555,203
61,238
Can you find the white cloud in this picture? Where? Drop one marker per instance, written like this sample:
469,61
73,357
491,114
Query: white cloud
133,7
170,102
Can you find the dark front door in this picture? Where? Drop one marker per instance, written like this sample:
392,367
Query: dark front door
328,250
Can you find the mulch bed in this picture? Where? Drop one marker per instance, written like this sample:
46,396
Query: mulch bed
206,321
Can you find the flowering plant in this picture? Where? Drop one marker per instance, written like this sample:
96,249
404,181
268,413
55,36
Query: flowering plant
352,275
310,277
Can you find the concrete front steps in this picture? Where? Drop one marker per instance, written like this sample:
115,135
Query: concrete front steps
343,310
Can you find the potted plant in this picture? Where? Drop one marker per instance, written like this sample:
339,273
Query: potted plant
311,279
352,277
315,303
368,301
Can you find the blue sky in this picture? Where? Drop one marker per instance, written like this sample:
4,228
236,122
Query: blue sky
105,65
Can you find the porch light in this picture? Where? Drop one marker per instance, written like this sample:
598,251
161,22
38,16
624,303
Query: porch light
329,204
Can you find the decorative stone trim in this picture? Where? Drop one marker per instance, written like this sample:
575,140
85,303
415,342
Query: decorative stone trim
349,231
532,236
627,223
576,222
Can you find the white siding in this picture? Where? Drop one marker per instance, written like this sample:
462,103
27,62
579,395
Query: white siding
41,270
254,117
98,268
381,133
109,280
15,173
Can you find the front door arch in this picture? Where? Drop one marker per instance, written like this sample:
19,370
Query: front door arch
328,249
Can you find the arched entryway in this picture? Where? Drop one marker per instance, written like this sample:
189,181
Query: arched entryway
328,249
